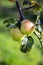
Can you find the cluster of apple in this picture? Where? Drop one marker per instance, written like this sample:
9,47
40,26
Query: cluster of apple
23,28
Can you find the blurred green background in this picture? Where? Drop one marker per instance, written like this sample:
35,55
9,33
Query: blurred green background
10,53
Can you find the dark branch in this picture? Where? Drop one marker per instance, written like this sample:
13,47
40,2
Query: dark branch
28,8
20,11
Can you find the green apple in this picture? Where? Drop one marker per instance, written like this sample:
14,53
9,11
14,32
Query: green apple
16,34
27,27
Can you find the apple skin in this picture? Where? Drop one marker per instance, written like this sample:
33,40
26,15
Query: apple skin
27,27
16,34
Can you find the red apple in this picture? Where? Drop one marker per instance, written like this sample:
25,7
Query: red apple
27,27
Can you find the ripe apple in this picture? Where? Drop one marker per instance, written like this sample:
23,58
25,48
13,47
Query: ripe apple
27,27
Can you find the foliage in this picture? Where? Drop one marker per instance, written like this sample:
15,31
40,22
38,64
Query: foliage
9,49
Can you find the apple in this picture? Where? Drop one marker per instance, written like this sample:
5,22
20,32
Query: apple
27,27
16,34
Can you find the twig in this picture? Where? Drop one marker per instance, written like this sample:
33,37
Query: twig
31,7
20,10
39,37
